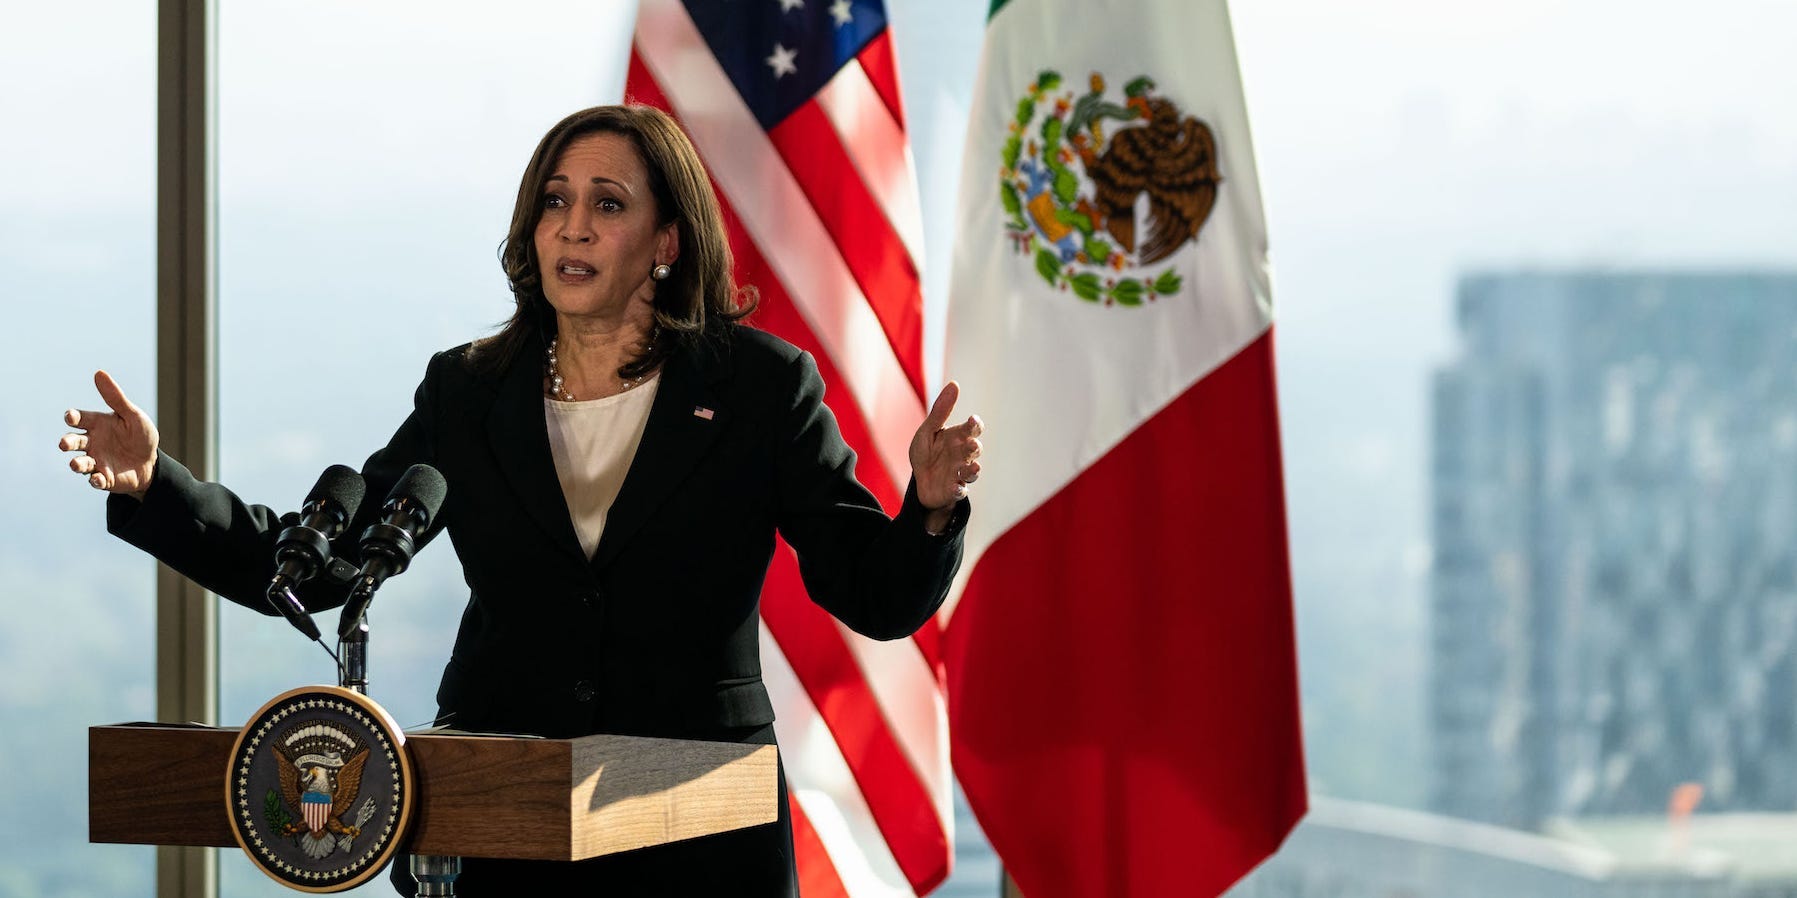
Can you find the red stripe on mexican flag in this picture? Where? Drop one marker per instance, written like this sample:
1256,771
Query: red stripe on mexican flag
1122,675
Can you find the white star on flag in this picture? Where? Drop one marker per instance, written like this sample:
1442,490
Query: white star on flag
841,13
790,5
782,61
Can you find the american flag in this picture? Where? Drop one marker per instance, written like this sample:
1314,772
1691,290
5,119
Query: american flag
794,105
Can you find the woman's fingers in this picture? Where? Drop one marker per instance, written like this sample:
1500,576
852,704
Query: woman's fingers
116,450
962,450
943,457
942,407
113,393
97,477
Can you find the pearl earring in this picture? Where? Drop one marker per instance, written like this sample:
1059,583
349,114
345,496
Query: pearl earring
661,272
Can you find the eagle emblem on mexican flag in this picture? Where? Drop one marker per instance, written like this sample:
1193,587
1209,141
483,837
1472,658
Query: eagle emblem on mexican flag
1099,187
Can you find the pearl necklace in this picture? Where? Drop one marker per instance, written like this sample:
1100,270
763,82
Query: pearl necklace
554,374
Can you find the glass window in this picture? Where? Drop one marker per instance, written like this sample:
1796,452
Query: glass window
1534,316
77,269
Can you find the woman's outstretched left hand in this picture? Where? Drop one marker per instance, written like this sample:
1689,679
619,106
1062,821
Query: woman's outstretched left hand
944,459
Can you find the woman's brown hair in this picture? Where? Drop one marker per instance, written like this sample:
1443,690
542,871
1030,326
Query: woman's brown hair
696,298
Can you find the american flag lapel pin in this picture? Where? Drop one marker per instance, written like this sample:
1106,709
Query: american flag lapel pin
700,411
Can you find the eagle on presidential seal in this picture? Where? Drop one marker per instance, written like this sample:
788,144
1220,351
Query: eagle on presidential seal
320,771
1074,170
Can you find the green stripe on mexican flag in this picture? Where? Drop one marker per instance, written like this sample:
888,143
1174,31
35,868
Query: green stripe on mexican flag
1123,693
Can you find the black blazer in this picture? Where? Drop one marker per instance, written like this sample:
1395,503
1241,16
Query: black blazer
657,633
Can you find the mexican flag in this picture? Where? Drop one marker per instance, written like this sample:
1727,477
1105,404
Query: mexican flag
1122,678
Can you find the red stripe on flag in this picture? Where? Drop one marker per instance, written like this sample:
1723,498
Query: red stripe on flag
869,244
896,797
882,69
817,873
928,640
778,315
895,794
1128,724
641,87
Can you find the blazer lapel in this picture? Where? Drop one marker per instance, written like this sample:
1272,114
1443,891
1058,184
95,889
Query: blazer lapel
519,433
683,422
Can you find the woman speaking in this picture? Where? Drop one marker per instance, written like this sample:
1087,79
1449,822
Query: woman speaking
620,455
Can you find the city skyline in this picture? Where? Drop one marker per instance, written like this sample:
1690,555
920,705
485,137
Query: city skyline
1614,598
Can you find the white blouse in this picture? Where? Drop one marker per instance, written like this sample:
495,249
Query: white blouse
593,443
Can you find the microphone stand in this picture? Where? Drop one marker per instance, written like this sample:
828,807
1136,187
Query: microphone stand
352,647
435,874
352,671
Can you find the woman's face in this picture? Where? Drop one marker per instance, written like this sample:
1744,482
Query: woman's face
597,240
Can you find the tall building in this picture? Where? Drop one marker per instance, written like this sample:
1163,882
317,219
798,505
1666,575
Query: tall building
1614,515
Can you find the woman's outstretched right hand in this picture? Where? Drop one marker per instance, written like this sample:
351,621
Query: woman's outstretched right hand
117,449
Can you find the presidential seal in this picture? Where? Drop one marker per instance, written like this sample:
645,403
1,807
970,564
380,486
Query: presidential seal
320,789
1075,171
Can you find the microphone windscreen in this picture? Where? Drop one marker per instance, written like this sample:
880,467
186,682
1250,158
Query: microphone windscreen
342,486
424,485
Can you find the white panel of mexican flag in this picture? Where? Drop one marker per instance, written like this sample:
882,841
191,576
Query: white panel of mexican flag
1035,359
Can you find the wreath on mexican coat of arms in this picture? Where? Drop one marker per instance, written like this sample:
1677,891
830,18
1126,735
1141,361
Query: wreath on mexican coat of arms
1070,189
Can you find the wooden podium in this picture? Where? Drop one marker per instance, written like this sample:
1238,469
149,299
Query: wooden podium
477,796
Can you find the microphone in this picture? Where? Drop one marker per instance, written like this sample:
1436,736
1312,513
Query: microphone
304,549
388,544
